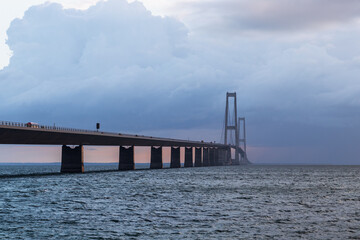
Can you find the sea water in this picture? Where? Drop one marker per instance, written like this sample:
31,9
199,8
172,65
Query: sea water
233,202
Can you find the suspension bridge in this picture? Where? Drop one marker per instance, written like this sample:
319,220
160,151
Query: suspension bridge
197,153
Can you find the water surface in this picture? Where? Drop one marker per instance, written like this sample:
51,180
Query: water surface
235,202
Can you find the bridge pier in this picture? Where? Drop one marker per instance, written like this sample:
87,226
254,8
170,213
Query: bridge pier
72,159
198,162
175,157
216,157
220,157
126,160
206,157
212,157
223,157
228,156
188,157
156,158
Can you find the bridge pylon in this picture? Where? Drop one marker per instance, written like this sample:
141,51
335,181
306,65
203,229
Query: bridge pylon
242,141
231,124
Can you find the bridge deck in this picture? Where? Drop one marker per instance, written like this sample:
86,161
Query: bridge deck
48,136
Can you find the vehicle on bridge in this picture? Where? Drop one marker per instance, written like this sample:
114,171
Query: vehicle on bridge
32,125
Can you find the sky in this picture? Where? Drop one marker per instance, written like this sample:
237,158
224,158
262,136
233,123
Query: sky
163,68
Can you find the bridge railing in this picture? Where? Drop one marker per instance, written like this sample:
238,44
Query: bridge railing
38,126
27,125
14,124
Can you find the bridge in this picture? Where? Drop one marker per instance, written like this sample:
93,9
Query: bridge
72,159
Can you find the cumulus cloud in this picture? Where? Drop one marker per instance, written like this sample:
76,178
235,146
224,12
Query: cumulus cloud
75,58
117,64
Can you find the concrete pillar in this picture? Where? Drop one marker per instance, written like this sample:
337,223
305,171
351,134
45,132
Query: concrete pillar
212,157
219,158
228,156
188,157
216,157
126,160
222,156
206,157
156,158
72,159
175,157
198,162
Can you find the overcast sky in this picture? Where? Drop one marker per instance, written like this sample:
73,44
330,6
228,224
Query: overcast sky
163,68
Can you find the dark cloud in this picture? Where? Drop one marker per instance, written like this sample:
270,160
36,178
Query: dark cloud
117,64
274,15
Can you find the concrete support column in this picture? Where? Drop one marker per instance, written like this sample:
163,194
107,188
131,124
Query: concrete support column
156,158
236,161
228,156
126,160
72,159
212,157
206,157
175,157
198,162
222,157
216,157
188,157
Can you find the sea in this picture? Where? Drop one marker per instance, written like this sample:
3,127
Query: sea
228,202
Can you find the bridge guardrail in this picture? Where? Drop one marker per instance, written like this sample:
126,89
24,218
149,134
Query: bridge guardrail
25,125
38,126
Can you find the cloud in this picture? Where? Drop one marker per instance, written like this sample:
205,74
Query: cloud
274,15
114,63
117,64
110,53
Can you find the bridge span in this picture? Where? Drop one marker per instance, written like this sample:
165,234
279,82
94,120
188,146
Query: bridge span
72,159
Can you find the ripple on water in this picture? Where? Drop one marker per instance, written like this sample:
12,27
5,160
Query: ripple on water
280,202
